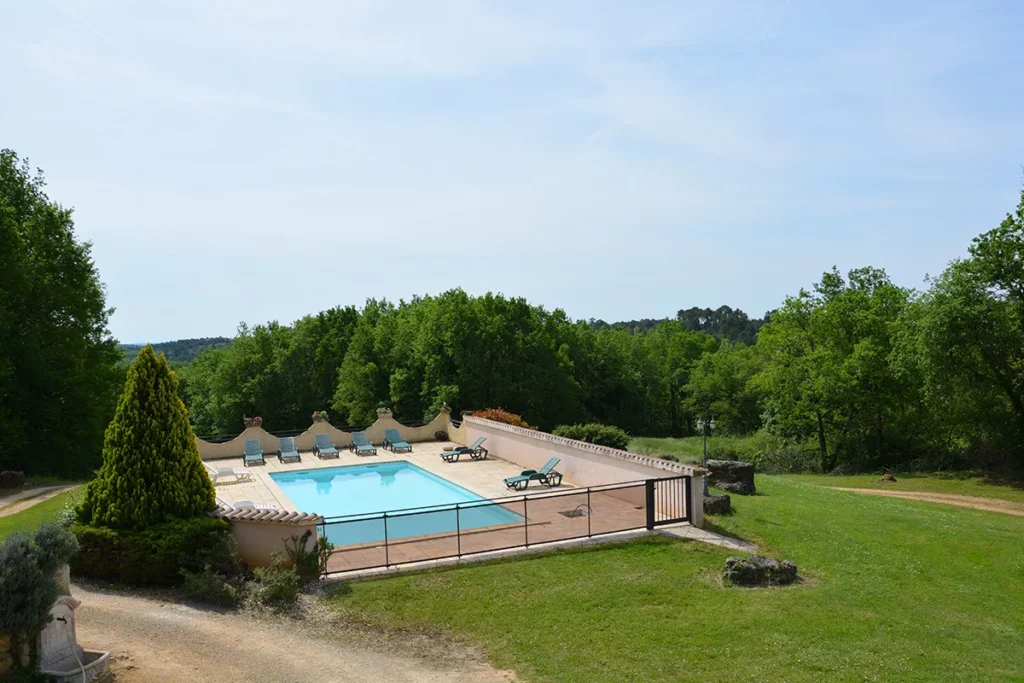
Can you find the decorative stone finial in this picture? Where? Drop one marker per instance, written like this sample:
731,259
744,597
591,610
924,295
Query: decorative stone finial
445,409
383,411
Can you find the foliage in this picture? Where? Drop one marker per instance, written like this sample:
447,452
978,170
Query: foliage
768,453
827,370
58,362
27,586
54,546
157,554
181,350
252,421
282,373
68,512
309,564
602,435
320,416
723,322
278,584
720,386
210,587
501,415
875,604
151,467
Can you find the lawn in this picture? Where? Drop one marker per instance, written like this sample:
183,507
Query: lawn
893,590
963,485
689,449
28,520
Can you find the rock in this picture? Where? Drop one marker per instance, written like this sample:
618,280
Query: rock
887,478
759,571
717,504
732,476
10,479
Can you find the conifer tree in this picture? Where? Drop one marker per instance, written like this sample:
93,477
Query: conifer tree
151,468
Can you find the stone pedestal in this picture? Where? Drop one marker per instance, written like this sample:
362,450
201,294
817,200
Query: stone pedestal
60,655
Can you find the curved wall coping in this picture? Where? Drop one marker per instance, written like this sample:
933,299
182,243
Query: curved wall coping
342,439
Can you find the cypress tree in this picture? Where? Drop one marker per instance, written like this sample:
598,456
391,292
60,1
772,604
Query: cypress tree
151,468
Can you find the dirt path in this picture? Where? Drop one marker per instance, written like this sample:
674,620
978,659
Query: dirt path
26,499
976,502
156,641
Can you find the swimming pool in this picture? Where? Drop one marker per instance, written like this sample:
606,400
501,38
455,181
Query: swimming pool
365,492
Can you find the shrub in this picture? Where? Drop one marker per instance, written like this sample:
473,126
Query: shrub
65,517
210,587
151,466
27,585
55,545
158,554
277,584
501,415
602,435
308,564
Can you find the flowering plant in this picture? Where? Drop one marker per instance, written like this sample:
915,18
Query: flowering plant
320,416
252,421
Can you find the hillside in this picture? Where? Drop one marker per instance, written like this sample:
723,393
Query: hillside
182,350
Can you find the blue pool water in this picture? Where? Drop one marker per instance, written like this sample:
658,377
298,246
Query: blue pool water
362,493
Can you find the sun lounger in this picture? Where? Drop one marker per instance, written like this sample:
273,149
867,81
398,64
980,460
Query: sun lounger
361,445
476,451
238,473
545,475
287,452
395,441
253,452
324,447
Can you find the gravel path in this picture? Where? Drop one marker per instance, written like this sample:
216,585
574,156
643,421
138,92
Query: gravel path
1007,507
155,641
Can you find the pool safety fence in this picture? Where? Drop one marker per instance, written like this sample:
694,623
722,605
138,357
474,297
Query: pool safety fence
398,537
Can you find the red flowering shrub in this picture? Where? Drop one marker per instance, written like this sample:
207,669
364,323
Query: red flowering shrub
501,415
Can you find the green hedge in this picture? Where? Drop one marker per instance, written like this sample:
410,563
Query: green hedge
602,435
157,554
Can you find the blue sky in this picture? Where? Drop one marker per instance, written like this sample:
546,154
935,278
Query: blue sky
240,160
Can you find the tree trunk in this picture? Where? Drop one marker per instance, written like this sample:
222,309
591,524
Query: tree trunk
822,445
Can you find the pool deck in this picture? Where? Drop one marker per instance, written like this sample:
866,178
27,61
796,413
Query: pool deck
482,477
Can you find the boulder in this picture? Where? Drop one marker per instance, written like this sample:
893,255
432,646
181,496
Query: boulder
717,504
10,479
759,571
732,476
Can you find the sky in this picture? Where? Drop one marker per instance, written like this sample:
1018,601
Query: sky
242,160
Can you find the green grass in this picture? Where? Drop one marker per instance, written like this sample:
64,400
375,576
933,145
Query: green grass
690,448
972,485
28,520
893,590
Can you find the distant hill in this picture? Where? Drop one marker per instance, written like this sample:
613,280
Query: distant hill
723,322
181,350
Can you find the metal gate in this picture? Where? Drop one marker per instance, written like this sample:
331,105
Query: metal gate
669,501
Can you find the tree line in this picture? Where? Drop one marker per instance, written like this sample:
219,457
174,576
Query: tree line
855,371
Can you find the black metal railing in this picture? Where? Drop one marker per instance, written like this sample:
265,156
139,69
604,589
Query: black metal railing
395,537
